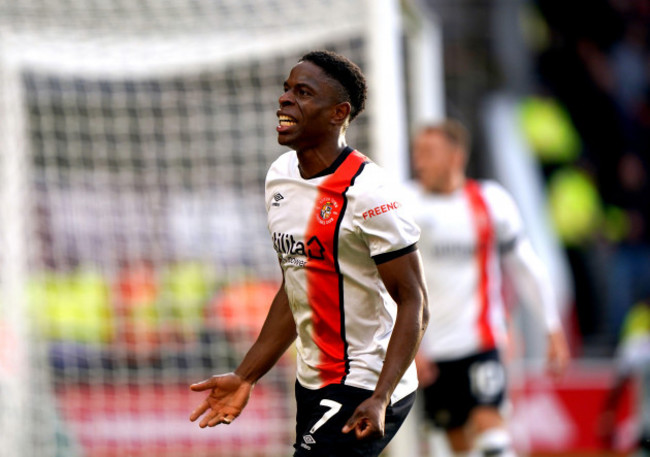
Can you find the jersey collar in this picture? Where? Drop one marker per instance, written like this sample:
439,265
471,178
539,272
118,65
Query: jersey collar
334,166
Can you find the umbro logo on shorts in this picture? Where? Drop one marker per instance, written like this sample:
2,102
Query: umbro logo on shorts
309,439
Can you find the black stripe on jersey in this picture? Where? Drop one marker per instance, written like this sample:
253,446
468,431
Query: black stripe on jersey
338,269
385,257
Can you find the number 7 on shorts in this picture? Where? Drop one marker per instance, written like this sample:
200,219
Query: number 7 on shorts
334,408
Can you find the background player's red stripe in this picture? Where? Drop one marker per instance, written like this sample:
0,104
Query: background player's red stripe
323,278
485,235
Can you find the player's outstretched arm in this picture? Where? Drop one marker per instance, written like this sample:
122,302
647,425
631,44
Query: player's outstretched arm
229,393
404,280
533,283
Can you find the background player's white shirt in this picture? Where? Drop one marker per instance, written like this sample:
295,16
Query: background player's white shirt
466,237
328,232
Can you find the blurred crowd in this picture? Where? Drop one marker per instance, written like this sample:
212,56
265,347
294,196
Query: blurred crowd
594,66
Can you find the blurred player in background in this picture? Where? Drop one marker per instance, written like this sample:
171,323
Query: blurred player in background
353,291
633,355
470,230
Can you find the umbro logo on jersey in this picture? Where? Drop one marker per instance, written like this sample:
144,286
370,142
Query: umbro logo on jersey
276,199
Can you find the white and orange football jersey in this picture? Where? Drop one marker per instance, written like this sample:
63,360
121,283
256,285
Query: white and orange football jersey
467,237
330,232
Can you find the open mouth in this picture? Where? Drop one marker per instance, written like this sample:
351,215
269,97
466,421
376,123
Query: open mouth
286,121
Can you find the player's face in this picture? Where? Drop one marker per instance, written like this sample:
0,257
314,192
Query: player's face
306,108
435,160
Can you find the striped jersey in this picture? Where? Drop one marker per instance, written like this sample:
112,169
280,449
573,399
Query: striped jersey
466,236
330,232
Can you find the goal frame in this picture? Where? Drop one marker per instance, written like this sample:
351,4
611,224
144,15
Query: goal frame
388,22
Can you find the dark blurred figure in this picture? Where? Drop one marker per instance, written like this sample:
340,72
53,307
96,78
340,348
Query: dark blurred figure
598,65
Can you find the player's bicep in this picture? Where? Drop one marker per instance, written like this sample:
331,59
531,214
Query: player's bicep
403,276
279,320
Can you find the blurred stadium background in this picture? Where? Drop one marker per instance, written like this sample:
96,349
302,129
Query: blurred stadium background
134,257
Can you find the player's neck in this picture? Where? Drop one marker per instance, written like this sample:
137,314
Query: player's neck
453,184
314,160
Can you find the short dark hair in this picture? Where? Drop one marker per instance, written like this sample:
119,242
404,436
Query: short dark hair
347,73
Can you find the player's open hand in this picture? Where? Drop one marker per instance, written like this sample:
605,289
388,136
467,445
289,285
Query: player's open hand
368,419
558,355
228,396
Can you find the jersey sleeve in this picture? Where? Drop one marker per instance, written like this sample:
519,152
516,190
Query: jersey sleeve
520,260
384,222
267,194
509,227
532,282
271,173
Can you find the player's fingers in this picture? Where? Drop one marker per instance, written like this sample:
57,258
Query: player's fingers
221,419
361,431
350,424
366,429
216,420
208,419
558,364
203,407
204,385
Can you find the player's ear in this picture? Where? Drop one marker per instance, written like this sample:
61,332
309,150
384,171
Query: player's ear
341,112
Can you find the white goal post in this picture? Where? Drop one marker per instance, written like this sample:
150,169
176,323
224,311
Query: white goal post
134,256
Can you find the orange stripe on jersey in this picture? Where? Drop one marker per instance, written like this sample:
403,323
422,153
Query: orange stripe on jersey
485,240
324,280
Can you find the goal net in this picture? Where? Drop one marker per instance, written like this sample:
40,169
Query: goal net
134,255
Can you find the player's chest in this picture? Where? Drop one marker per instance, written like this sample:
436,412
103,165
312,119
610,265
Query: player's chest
453,230
308,223
299,208
448,220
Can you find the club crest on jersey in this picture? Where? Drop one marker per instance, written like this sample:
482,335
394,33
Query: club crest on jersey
328,209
